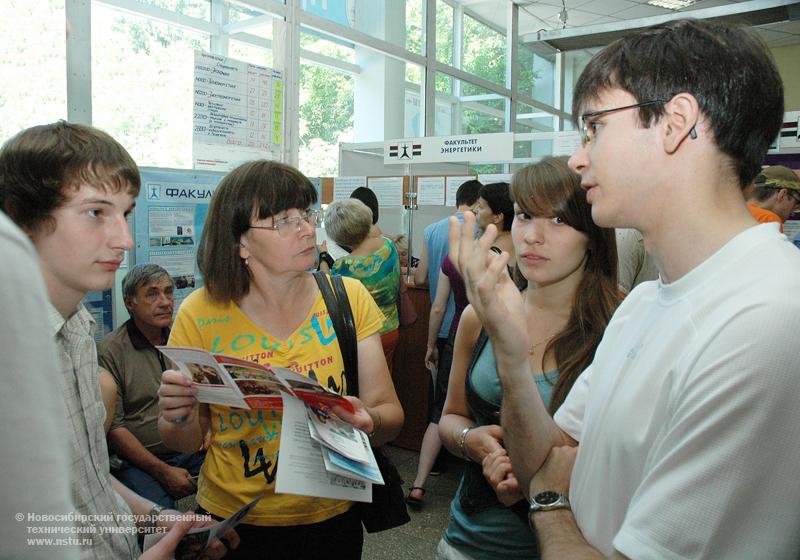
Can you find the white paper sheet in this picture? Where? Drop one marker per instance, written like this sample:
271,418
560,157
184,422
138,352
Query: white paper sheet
301,468
388,190
430,191
344,186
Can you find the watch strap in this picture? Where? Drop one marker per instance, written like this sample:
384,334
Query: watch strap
547,501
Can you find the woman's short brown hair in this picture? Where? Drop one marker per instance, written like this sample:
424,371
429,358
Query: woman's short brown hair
348,222
253,191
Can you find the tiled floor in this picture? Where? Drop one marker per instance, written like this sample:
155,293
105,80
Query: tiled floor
417,539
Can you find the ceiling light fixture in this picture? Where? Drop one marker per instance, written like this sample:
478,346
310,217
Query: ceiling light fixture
562,17
672,4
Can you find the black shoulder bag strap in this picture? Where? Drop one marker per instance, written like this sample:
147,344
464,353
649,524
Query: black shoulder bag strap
341,315
388,508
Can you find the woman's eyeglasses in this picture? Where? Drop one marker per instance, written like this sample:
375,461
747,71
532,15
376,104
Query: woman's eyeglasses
292,224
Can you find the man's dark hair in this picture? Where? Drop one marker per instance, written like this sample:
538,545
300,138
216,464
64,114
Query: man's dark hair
498,196
763,193
368,197
468,192
253,191
727,69
41,164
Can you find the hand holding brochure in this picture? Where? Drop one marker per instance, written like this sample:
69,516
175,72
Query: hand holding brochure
302,468
232,382
197,540
320,454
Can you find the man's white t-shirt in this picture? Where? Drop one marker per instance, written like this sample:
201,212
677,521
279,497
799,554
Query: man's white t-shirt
689,417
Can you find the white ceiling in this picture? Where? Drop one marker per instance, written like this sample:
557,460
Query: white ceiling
538,15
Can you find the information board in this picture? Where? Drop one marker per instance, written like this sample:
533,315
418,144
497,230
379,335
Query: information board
170,214
238,112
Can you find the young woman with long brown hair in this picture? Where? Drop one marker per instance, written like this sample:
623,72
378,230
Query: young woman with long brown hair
567,269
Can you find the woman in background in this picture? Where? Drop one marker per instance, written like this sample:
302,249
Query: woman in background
494,206
568,268
259,303
372,260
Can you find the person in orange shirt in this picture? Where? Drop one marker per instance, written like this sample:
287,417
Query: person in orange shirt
775,196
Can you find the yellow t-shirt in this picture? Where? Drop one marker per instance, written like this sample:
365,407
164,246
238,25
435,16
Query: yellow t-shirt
242,460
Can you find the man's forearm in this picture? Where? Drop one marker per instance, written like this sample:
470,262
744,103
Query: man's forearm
559,537
131,450
528,429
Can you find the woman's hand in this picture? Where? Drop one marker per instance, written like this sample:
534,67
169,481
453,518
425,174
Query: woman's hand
482,441
498,473
360,419
177,398
432,358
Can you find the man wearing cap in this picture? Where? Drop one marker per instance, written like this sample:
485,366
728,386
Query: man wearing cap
775,196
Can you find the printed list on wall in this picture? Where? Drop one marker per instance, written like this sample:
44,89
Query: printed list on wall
238,112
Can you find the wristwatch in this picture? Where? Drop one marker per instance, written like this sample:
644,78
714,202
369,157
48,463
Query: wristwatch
547,501
152,517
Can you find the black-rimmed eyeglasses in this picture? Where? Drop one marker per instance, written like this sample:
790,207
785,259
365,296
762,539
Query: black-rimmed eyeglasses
287,226
587,124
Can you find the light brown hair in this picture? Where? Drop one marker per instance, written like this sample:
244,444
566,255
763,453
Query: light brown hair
551,188
42,164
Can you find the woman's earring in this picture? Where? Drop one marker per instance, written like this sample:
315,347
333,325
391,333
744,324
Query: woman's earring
247,262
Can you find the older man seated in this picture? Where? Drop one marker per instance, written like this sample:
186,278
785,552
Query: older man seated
149,467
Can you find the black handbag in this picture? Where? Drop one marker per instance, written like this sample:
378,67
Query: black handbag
388,507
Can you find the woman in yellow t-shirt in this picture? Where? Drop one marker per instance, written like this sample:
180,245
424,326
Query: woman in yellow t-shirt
259,303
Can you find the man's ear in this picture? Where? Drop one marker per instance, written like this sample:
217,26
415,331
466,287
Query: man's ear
128,304
679,122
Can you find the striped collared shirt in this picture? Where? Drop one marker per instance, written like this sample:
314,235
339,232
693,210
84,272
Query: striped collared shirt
114,536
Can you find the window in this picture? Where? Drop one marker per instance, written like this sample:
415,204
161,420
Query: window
382,19
574,63
537,72
444,33
249,53
484,52
474,109
326,118
142,85
414,118
332,47
33,65
200,9
531,119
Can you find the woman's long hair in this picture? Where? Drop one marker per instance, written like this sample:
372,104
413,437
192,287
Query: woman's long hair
551,188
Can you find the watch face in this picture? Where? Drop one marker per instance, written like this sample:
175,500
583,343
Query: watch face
546,498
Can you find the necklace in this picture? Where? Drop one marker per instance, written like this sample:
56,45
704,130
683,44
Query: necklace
533,348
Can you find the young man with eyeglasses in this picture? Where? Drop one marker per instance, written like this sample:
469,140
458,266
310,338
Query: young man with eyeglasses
681,439
775,196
